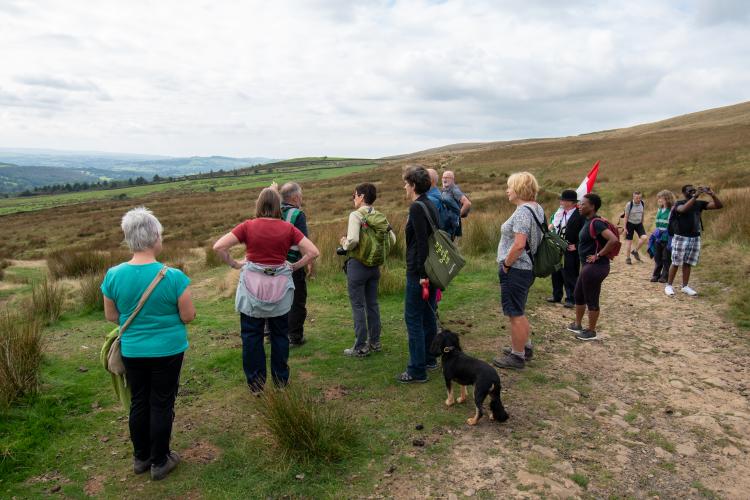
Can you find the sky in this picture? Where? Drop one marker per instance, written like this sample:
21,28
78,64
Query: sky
355,78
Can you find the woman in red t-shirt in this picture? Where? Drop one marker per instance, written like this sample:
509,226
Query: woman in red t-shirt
267,241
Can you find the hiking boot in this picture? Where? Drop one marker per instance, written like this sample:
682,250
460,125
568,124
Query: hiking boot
376,347
569,305
297,342
574,328
636,255
669,291
553,300
357,353
141,466
159,472
587,335
689,291
654,279
405,378
662,280
432,366
628,261
528,352
511,361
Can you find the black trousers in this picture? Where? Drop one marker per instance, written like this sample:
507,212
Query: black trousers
566,277
662,260
153,383
298,312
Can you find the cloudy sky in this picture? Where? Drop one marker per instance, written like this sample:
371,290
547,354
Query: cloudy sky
349,77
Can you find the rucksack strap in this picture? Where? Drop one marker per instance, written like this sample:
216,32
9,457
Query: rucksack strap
429,216
592,230
542,228
144,298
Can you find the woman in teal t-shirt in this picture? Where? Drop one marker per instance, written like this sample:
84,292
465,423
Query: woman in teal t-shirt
662,247
154,344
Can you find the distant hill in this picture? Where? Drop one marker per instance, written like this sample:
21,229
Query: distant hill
23,169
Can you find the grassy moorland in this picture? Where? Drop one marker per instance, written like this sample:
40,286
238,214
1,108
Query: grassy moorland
651,410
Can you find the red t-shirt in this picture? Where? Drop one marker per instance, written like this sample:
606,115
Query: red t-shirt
267,240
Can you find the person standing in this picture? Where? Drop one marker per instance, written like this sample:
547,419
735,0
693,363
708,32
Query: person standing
291,211
435,197
419,314
263,293
686,242
515,265
633,215
363,245
662,244
154,344
567,222
457,204
595,241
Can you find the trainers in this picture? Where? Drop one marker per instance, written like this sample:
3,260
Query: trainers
662,280
628,261
405,378
587,335
654,279
669,291
569,305
357,353
553,300
159,472
432,366
509,361
636,255
376,347
141,466
689,291
574,328
528,352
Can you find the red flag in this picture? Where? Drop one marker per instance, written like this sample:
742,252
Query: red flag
588,183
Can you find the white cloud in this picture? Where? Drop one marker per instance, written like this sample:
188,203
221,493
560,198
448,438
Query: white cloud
355,77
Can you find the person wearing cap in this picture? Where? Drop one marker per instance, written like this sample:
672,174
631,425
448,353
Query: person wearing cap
567,222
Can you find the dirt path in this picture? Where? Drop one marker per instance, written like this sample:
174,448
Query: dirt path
659,407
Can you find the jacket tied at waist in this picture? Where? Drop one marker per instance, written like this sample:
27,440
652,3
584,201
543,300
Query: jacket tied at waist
264,291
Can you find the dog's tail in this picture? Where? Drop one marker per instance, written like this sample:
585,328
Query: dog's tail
496,405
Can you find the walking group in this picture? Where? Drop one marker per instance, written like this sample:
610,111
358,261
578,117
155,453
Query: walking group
271,289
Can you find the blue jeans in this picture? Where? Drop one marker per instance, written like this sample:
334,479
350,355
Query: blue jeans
421,326
254,355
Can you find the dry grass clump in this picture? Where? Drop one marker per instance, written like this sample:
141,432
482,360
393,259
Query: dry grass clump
392,280
306,429
20,355
3,264
481,233
90,292
47,299
78,263
212,259
731,222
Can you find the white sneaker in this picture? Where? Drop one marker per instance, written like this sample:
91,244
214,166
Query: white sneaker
669,291
689,291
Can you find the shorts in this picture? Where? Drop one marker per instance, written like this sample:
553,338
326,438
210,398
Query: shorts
634,228
685,250
514,290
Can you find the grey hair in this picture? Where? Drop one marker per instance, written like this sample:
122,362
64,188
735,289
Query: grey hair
142,229
289,190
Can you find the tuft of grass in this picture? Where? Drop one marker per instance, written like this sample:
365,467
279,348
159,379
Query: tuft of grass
392,281
580,480
212,260
481,233
78,263
91,294
20,355
306,429
3,264
47,298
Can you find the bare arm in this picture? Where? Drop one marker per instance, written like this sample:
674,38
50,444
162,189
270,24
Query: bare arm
611,241
715,202
222,246
687,205
110,311
186,307
519,246
465,205
309,253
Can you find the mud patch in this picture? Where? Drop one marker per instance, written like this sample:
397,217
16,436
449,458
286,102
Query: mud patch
335,392
201,452
94,486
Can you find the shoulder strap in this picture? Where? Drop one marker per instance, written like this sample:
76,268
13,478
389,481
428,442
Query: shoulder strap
427,213
291,214
542,227
144,298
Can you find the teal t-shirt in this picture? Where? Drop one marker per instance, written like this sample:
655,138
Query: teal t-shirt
157,330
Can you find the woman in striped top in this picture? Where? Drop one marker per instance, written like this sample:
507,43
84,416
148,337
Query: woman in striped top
662,243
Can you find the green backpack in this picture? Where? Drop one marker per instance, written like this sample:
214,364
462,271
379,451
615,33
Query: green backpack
374,240
444,261
549,255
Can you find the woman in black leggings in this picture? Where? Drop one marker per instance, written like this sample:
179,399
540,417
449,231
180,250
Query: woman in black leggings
593,252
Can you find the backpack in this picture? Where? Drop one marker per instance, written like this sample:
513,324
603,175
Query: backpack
630,208
374,239
550,252
592,232
290,215
444,261
452,221
437,200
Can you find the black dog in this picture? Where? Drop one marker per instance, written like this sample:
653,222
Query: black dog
465,370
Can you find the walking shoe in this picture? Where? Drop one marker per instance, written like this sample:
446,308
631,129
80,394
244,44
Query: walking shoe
628,261
405,378
553,300
574,328
376,347
141,466
587,335
297,342
689,291
569,305
654,279
669,291
357,353
432,366
662,280
636,255
509,361
528,352
159,472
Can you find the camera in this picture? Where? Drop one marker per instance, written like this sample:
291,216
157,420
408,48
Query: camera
340,251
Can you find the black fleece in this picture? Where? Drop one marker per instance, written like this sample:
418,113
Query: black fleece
418,229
